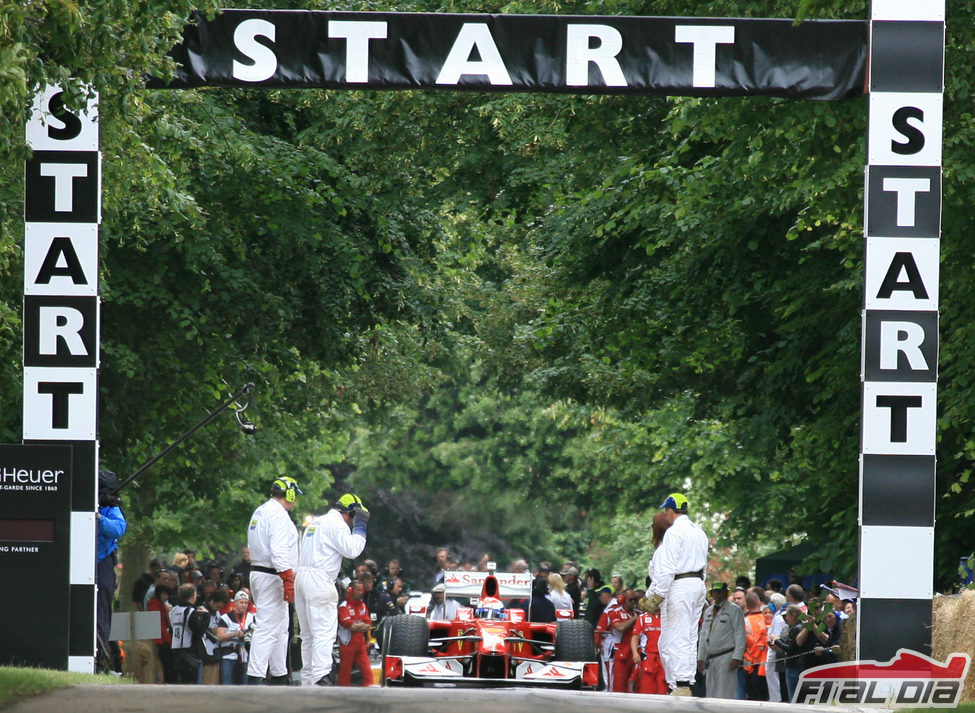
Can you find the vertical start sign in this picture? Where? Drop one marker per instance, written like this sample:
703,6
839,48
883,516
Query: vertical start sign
902,226
62,210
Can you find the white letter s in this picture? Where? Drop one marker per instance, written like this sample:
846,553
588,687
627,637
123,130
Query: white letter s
265,62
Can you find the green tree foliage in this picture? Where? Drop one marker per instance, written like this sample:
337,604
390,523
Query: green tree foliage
259,259
717,279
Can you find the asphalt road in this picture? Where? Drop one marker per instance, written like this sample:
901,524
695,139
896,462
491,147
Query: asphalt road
252,699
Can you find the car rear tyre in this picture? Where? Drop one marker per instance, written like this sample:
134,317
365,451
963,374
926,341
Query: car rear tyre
574,641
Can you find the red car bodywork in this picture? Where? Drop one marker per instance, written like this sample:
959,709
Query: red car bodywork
489,651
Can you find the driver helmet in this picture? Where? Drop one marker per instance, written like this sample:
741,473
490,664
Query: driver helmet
490,608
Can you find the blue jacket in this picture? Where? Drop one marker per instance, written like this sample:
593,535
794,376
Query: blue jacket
111,526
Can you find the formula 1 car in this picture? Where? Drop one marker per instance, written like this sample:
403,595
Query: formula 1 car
489,644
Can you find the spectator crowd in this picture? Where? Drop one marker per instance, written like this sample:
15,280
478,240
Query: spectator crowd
753,642
667,635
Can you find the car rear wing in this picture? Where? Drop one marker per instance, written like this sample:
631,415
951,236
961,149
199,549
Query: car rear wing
511,585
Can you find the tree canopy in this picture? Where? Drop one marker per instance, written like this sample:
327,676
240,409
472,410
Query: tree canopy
516,322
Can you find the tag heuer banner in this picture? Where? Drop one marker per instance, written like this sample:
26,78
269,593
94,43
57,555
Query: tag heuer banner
814,59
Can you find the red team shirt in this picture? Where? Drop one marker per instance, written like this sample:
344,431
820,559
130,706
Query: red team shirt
354,652
156,605
352,611
602,628
647,629
650,672
618,670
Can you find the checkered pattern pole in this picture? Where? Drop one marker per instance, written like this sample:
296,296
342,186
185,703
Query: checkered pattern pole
902,221
62,210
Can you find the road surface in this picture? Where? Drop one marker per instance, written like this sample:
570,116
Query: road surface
265,699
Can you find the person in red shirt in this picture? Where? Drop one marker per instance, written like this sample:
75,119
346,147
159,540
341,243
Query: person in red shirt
160,603
643,644
622,620
354,622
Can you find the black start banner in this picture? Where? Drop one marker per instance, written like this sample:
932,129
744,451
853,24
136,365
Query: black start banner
814,59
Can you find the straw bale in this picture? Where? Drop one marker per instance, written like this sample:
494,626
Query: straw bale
142,662
848,640
952,631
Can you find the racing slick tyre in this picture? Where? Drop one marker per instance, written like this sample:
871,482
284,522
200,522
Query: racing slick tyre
574,641
404,635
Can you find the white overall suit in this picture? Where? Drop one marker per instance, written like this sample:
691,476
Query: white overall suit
326,541
273,541
684,551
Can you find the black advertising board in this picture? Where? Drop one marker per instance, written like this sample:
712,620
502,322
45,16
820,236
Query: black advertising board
35,551
581,54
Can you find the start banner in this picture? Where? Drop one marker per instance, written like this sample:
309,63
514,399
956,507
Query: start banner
813,59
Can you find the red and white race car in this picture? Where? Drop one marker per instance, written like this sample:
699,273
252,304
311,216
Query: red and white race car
489,643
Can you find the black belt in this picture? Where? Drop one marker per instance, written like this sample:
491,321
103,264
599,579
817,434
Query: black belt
265,570
684,575
720,653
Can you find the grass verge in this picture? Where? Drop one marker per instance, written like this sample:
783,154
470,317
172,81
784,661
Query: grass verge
16,684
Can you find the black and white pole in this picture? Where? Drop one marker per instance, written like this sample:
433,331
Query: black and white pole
62,210
902,222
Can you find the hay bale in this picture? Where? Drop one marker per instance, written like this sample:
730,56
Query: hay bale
848,640
142,662
952,632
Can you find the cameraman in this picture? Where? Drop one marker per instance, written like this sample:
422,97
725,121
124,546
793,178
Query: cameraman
110,526
189,623
213,645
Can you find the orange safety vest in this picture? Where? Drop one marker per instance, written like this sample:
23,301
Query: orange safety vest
756,642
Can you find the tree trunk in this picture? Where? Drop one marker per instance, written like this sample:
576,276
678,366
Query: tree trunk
135,556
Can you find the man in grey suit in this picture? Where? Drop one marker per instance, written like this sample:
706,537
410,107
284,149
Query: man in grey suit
721,645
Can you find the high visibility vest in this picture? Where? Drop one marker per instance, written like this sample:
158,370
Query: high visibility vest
756,642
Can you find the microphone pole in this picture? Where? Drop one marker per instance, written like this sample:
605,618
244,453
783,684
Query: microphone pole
245,425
